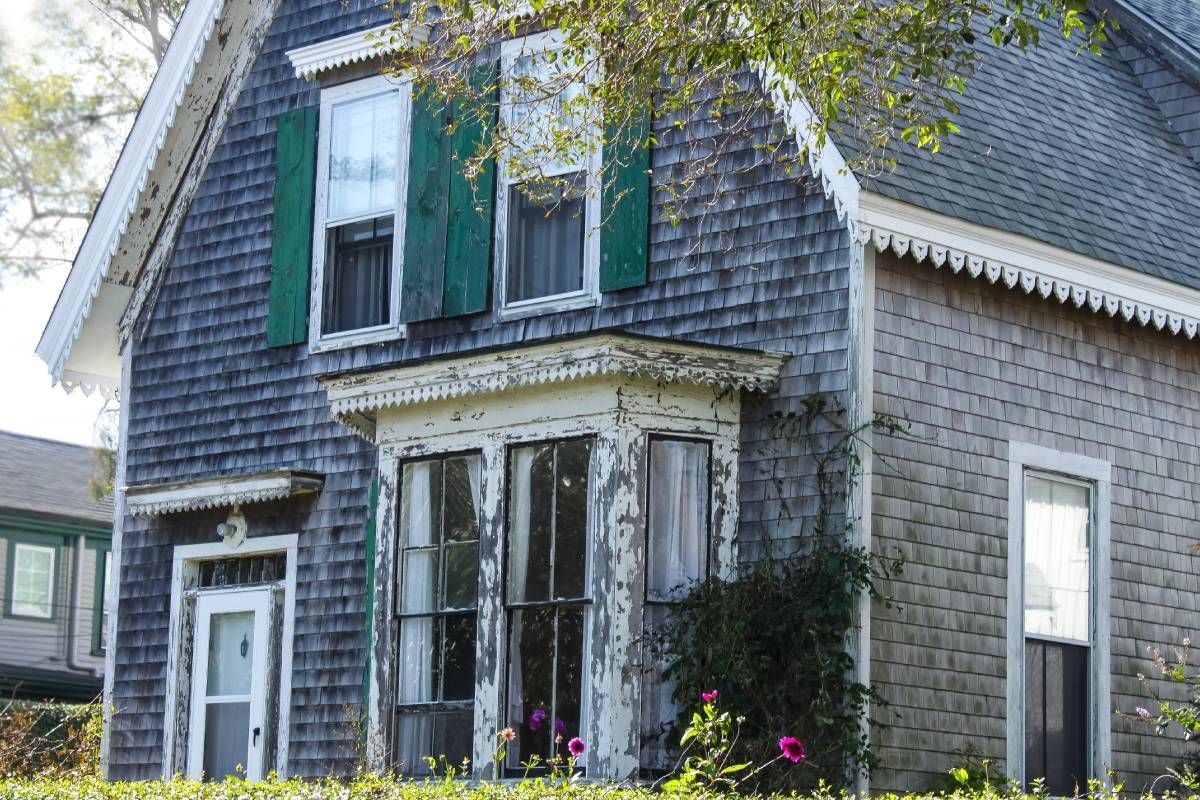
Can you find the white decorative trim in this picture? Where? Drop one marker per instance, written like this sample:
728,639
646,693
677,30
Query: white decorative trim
824,160
129,178
311,60
352,396
1019,261
1023,457
220,492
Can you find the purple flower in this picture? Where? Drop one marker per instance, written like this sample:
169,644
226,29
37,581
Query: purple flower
536,719
576,747
560,727
709,698
792,749
1143,713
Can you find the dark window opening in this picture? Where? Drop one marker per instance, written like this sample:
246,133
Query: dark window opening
545,238
242,571
358,269
1056,717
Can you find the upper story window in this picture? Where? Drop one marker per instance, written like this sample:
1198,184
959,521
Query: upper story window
361,158
32,577
548,195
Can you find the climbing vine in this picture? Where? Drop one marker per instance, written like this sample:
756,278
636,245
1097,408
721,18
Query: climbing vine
777,639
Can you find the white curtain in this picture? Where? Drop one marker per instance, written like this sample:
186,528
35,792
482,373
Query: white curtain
417,582
1057,564
518,559
676,559
363,149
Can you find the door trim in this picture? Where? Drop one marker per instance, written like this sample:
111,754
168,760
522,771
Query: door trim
184,576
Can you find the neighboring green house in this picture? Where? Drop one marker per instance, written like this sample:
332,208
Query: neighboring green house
55,540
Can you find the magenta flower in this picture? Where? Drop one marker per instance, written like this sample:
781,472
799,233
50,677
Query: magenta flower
709,698
576,747
536,719
792,749
1143,713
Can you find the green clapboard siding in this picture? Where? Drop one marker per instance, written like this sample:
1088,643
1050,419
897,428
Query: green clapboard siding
425,226
292,226
625,209
471,209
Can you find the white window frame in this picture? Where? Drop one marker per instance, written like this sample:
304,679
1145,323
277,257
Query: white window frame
1024,459
29,611
589,294
330,97
185,570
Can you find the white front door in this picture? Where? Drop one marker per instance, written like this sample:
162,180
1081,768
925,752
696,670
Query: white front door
229,658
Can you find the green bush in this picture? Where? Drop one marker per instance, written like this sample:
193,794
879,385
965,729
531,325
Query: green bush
386,788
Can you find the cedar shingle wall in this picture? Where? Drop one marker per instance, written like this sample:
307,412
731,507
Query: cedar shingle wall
972,366
209,398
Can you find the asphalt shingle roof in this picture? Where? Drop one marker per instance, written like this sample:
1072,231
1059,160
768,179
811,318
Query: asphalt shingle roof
49,478
1180,17
1069,149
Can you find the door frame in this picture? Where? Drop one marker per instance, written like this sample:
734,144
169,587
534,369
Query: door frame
184,578
256,599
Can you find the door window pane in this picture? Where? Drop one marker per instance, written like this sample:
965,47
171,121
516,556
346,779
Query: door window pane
230,653
226,739
1057,565
33,581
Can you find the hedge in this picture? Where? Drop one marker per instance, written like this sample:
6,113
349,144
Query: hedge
385,788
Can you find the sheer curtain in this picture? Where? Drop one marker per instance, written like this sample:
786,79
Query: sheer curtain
1057,564
415,684
676,559
518,558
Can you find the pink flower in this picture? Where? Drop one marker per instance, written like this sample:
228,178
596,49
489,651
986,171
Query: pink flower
1143,713
536,719
576,747
508,734
560,727
709,698
792,749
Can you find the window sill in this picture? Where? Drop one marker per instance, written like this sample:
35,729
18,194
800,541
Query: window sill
340,341
550,305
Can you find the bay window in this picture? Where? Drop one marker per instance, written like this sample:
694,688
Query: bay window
436,610
548,198
361,166
547,596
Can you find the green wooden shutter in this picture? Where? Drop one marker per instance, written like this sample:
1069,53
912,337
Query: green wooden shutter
292,226
425,225
625,209
471,209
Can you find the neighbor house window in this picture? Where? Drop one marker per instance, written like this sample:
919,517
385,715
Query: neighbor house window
677,558
547,596
360,175
103,582
32,576
1058,630
547,203
436,607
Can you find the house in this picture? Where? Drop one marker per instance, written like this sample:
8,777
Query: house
55,540
420,499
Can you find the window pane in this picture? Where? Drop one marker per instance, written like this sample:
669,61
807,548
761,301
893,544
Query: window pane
363,147
230,653
658,707
226,736
539,90
417,661
436,734
458,666
33,581
570,519
545,239
1057,567
358,270
569,674
417,581
461,515
677,540
531,511
420,499
531,682
462,575
1056,717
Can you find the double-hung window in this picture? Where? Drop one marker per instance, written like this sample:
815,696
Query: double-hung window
1058,630
677,558
32,576
548,198
436,610
361,176
547,596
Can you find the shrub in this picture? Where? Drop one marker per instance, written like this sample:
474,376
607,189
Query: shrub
49,738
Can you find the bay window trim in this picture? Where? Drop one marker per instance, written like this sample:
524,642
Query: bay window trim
331,96
589,294
1024,460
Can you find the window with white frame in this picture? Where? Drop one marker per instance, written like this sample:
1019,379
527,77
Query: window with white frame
32,577
105,583
1058,630
361,173
436,608
548,199
677,558
547,597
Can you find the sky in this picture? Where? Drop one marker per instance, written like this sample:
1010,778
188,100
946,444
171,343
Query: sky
28,402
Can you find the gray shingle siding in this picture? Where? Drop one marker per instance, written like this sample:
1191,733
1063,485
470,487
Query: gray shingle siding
973,366
209,398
